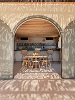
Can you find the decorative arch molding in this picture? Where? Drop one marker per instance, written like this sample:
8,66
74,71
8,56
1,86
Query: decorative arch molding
37,16
68,51
6,55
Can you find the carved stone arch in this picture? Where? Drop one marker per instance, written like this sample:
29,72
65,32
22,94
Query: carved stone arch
37,16
6,55
68,51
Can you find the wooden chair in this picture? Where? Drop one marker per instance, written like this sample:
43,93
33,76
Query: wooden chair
25,62
50,52
47,61
36,61
24,53
44,63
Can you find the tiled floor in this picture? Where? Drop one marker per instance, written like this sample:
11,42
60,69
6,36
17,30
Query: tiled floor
37,85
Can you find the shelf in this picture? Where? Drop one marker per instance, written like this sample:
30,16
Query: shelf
32,46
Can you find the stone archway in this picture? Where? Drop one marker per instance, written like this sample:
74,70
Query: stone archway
6,55
37,16
68,51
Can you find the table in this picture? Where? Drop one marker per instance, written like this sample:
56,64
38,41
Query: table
36,59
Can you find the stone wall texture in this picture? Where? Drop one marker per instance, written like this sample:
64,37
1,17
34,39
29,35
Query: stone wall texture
13,13
6,54
68,51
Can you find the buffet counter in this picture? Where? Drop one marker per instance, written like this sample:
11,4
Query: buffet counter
56,54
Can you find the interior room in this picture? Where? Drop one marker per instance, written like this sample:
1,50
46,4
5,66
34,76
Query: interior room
42,37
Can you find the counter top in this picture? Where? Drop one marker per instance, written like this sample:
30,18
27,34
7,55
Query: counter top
43,49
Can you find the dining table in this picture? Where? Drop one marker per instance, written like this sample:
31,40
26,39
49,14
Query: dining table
35,59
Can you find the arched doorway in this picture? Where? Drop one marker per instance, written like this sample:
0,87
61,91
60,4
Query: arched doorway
68,51
6,55
38,17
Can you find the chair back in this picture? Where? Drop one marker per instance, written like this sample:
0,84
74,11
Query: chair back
24,52
49,52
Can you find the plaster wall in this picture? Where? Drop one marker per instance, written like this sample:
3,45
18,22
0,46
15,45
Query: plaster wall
13,13
6,54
